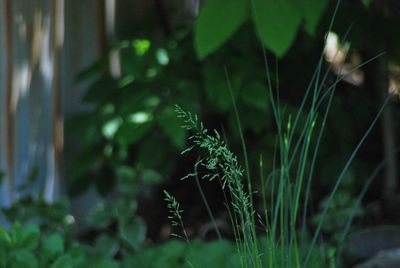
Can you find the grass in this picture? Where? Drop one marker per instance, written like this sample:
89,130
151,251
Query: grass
285,244
285,192
285,241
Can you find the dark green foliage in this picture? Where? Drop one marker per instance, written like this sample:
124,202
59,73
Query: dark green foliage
129,134
213,27
120,212
276,22
177,254
27,247
52,217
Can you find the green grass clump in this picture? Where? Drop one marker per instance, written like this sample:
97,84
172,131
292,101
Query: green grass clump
286,241
175,214
285,193
223,165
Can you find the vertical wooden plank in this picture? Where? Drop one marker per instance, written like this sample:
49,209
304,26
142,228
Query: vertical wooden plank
10,109
114,56
101,26
58,121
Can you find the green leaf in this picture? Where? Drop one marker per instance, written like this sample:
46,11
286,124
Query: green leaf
134,128
134,232
23,259
366,3
171,125
217,22
146,156
151,176
75,257
124,209
101,216
105,263
106,246
64,261
127,180
219,254
111,127
312,12
168,255
277,23
91,71
256,95
103,89
216,86
25,237
52,245
3,257
5,239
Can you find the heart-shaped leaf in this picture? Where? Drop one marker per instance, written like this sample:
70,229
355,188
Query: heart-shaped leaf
277,23
312,12
217,22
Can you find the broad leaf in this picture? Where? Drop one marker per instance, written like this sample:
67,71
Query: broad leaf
217,88
134,128
256,95
52,245
134,232
216,23
25,237
366,3
5,239
106,246
23,258
277,23
171,125
312,12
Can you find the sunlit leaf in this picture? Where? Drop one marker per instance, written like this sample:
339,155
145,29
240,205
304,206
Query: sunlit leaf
162,56
141,46
110,127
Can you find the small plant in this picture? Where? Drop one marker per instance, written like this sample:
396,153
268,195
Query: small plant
284,214
26,246
222,164
175,214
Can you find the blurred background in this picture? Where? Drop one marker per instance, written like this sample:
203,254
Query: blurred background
87,95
